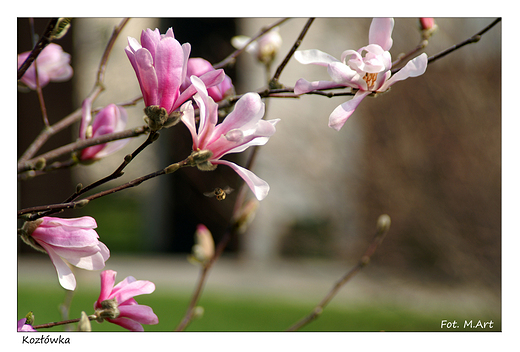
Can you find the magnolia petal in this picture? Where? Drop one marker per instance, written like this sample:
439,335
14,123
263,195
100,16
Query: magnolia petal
148,77
127,323
340,115
303,86
380,32
413,68
343,75
136,288
139,313
81,223
248,110
259,187
314,56
108,278
168,62
188,118
209,79
65,275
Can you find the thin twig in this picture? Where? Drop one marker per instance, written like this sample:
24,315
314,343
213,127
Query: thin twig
79,145
45,40
383,225
231,58
274,80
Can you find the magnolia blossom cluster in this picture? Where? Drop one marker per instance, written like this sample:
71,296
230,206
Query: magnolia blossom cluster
173,85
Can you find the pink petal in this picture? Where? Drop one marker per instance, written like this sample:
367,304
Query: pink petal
148,77
381,32
413,68
303,86
65,275
136,288
139,313
314,56
188,118
169,60
341,74
259,187
108,278
340,115
127,323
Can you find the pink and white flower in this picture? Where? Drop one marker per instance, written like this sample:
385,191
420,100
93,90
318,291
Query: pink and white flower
160,64
367,70
71,240
117,305
22,326
242,128
53,66
198,67
110,119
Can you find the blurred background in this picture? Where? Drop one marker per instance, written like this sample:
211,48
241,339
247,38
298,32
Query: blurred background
427,153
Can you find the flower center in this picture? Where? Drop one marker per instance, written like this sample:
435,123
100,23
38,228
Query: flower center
370,78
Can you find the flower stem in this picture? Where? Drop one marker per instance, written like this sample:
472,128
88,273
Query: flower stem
382,230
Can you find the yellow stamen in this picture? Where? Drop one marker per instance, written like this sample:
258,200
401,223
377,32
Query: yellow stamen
370,78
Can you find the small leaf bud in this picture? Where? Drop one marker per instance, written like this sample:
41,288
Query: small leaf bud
84,323
383,223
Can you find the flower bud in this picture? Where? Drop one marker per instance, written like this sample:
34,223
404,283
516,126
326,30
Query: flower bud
383,223
428,26
246,215
84,323
204,247
29,318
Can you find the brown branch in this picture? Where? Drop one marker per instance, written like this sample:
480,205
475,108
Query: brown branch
274,80
79,145
383,225
45,40
231,58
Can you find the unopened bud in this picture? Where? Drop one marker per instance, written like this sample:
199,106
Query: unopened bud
40,164
383,223
198,312
204,247
29,318
84,323
171,168
246,215
61,28
81,203
428,26
79,187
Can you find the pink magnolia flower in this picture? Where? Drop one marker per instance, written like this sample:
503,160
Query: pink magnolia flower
160,63
53,65
367,69
22,326
198,66
117,305
242,128
110,119
71,240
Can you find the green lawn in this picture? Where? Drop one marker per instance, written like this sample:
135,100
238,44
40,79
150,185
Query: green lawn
243,313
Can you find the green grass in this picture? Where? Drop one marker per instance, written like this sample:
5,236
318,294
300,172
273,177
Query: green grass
243,313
